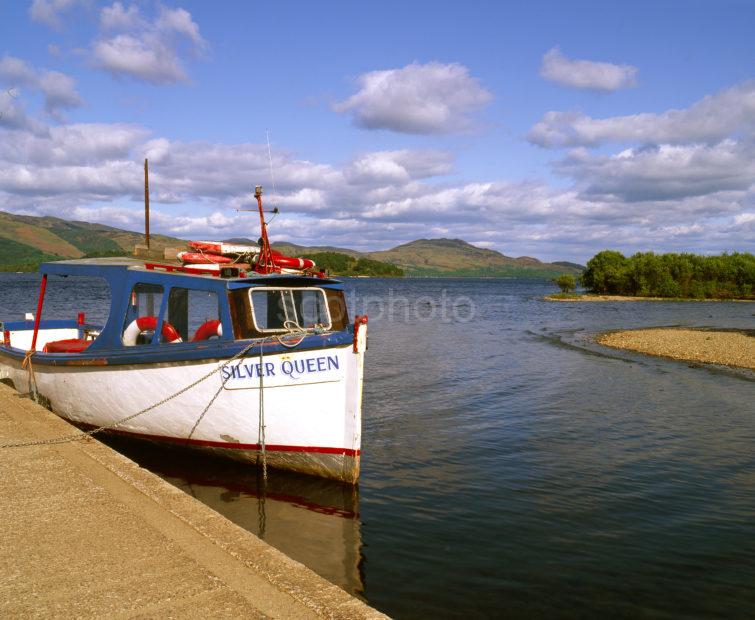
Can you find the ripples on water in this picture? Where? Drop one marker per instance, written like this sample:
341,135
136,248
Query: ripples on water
512,467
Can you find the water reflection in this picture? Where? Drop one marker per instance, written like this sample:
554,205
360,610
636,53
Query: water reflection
312,520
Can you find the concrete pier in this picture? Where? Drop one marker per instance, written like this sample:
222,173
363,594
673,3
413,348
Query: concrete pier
87,532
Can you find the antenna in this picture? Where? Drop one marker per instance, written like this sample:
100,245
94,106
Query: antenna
146,201
270,159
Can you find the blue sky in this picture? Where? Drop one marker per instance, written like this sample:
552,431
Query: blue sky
549,129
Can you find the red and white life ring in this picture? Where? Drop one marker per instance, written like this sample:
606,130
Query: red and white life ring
149,323
293,263
208,329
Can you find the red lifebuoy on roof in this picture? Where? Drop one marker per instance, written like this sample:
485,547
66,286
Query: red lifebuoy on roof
293,263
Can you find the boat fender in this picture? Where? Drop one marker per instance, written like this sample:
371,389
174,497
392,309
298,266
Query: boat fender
360,333
208,329
149,323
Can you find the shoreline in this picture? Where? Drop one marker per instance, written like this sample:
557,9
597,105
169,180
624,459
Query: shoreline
734,348
603,298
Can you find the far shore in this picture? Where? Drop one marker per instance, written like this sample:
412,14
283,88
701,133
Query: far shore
735,348
587,297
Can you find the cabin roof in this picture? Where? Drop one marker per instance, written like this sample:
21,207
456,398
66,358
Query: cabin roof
109,266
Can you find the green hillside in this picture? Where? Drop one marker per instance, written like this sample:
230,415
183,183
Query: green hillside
26,241
338,264
454,257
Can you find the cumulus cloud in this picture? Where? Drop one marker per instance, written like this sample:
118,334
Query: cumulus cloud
390,167
59,90
380,199
713,118
130,45
432,98
49,11
586,74
665,172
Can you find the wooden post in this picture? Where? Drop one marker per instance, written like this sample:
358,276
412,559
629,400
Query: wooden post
146,202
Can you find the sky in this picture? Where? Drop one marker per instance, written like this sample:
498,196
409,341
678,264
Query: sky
546,129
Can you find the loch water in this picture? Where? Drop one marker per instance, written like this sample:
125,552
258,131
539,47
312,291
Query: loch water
512,467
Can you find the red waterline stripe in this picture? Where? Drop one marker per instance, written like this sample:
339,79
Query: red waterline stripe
232,445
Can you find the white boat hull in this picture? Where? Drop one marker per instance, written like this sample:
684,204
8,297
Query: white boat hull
311,405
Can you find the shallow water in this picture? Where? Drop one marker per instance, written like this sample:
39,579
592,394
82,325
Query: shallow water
513,467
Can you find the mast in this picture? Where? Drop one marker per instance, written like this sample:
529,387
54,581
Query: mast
265,263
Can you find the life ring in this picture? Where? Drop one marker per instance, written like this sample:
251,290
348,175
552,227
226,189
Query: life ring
293,263
208,329
149,323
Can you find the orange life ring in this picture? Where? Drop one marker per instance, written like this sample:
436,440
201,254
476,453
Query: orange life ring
208,329
149,323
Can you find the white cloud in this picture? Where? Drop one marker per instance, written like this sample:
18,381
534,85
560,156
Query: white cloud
419,99
59,90
713,118
381,199
49,11
662,173
117,17
180,21
586,74
402,166
146,50
145,59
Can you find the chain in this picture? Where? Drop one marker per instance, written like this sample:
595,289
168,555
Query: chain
114,425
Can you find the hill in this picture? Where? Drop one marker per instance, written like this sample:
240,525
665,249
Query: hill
339,264
454,257
28,241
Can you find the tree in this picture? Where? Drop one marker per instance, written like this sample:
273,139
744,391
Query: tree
566,283
727,276
607,273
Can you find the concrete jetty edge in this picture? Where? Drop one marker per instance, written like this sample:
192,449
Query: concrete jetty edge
88,532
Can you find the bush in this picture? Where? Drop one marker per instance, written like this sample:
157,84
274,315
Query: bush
566,283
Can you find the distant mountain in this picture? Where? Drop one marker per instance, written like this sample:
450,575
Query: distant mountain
454,257
28,241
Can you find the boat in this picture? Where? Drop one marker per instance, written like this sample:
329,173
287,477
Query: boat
262,366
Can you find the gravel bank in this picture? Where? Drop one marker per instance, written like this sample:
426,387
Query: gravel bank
729,348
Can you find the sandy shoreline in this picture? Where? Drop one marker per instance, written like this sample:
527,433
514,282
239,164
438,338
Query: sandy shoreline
729,348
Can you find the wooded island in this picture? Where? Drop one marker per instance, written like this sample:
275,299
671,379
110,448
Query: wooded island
692,276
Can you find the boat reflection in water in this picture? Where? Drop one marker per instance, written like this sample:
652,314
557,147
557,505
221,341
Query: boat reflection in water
312,520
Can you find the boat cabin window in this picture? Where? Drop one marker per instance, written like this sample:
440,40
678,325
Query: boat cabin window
191,315
141,315
195,314
276,310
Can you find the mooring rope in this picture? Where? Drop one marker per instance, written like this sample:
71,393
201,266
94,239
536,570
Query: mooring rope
116,424
27,363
